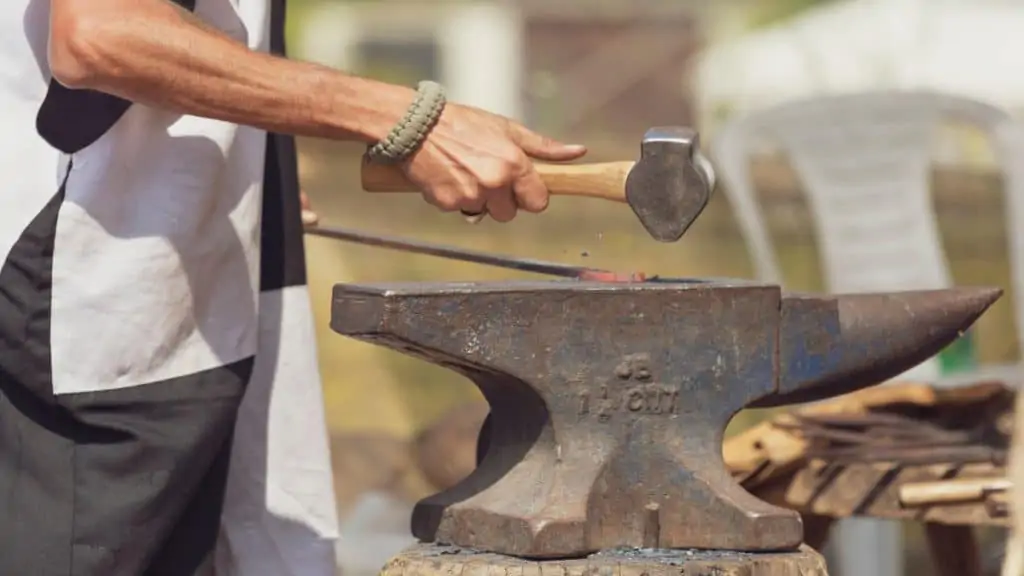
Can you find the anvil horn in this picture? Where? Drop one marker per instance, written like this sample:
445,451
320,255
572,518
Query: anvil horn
831,345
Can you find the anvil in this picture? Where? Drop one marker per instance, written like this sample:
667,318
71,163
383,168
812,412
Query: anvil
609,400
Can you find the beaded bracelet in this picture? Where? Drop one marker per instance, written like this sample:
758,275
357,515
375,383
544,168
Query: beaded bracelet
413,128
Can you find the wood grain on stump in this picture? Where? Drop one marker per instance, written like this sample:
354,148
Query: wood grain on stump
437,560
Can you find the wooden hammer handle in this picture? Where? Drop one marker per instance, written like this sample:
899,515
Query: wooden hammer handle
605,180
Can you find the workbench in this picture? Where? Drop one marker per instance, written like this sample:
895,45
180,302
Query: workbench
776,461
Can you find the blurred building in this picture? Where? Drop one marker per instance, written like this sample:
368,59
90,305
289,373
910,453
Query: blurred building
589,68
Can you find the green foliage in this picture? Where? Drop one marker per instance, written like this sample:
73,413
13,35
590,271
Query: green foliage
768,13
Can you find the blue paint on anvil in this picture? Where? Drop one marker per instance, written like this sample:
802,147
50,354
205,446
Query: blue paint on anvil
811,347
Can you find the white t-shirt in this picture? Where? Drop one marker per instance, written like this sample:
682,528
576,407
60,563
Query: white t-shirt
133,264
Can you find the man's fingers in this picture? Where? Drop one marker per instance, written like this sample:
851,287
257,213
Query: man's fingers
473,200
444,198
309,216
458,191
543,148
530,193
501,204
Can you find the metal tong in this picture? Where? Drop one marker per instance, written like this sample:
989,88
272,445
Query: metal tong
464,255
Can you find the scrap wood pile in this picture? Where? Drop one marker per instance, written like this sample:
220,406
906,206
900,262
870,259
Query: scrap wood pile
906,451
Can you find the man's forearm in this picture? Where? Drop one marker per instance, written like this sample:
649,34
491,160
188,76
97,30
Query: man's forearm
154,53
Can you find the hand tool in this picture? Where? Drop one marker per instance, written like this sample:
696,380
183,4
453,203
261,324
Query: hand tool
667,188
609,400
920,436
452,253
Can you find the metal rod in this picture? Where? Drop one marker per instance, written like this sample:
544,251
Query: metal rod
452,253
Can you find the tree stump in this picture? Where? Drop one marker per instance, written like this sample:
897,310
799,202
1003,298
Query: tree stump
438,560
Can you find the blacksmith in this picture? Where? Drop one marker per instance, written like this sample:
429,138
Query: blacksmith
160,405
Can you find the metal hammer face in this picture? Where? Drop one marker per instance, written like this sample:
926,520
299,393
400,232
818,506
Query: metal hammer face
609,401
671,184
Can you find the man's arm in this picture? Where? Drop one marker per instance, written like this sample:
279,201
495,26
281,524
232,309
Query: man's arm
156,53
153,52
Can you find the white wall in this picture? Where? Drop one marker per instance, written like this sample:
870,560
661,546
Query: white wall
480,44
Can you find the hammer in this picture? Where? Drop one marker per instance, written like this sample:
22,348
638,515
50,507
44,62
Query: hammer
667,188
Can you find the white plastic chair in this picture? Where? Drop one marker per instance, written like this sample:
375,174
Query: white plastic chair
864,161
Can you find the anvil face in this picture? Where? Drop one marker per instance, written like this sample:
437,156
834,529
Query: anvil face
608,401
574,338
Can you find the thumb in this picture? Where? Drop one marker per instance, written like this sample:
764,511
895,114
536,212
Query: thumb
543,148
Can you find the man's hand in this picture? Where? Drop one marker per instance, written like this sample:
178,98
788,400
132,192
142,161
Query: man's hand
478,162
309,216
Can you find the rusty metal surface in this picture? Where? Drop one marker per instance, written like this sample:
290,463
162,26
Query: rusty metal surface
464,255
830,346
609,400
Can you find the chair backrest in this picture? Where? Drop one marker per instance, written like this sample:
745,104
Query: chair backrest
864,161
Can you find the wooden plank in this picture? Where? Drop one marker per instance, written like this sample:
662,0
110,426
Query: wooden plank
770,460
872,490
437,560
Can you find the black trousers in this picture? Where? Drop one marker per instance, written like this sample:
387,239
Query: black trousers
123,482
126,482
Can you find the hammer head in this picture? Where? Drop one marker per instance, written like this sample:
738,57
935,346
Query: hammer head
671,183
